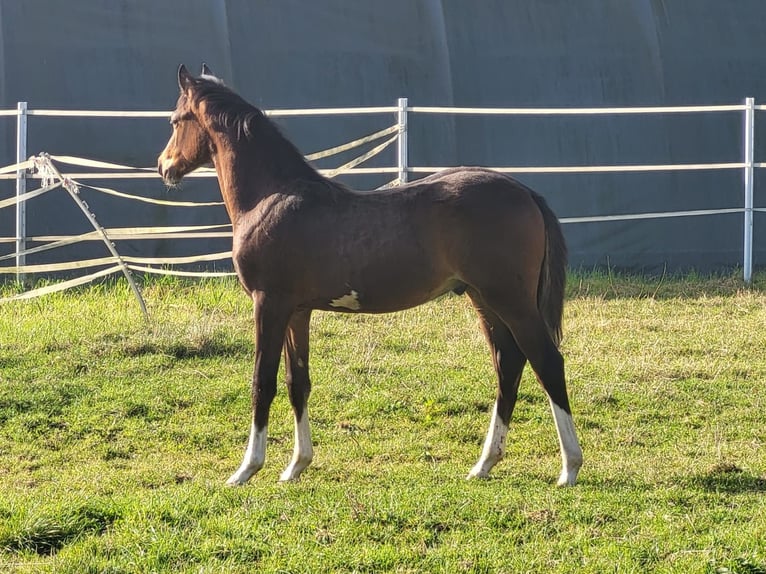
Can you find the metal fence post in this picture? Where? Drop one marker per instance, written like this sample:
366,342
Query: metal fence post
749,129
21,188
401,148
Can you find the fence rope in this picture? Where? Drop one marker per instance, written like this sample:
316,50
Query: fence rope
655,215
575,111
28,195
50,173
16,167
84,162
99,261
362,158
177,273
351,145
114,192
598,168
62,286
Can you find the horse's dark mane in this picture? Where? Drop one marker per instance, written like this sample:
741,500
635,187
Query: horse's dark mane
232,112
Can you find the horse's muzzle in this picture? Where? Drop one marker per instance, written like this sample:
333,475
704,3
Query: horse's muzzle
168,172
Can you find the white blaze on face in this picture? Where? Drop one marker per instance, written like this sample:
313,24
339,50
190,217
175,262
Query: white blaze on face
350,301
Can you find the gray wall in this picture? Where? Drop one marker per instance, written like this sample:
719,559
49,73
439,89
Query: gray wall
293,53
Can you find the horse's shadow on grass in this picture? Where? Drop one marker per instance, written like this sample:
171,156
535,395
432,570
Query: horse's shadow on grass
725,478
729,478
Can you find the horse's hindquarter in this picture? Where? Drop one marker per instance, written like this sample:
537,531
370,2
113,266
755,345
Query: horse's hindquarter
496,226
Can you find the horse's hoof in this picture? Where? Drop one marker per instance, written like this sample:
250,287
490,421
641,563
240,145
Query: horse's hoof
292,473
241,476
567,479
477,474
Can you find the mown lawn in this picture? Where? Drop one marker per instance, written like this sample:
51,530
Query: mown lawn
116,438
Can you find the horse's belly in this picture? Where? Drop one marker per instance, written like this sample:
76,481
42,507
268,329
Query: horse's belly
388,298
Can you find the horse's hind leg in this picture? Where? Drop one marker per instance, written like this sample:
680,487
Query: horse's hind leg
520,314
299,387
509,362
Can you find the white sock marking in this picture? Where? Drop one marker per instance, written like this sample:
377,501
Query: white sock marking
571,453
494,447
303,451
255,455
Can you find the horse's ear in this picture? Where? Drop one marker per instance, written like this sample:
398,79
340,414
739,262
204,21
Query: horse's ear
184,78
208,74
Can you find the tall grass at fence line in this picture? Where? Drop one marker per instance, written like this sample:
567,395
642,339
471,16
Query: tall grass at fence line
115,437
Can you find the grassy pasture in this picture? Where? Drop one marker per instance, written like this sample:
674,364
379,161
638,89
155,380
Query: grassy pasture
116,438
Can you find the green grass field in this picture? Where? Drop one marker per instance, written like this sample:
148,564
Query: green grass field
116,438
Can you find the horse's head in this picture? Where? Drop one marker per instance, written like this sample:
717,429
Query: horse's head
189,146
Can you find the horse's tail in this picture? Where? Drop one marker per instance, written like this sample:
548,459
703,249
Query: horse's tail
550,289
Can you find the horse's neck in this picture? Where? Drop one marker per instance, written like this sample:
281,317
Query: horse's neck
248,172
233,189
244,178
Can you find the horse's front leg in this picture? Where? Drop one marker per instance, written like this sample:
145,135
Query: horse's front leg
271,317
299,387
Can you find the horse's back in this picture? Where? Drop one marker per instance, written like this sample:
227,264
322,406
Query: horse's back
480,201
475,188
463,178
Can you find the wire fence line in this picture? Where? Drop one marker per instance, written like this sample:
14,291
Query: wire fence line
42,166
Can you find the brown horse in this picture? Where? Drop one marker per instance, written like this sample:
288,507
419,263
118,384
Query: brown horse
303,242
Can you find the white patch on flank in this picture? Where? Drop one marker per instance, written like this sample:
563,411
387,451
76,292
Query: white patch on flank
255,455
350,301
494,447
571,453
303,451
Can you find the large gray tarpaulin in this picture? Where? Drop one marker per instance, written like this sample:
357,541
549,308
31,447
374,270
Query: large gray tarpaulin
507,53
